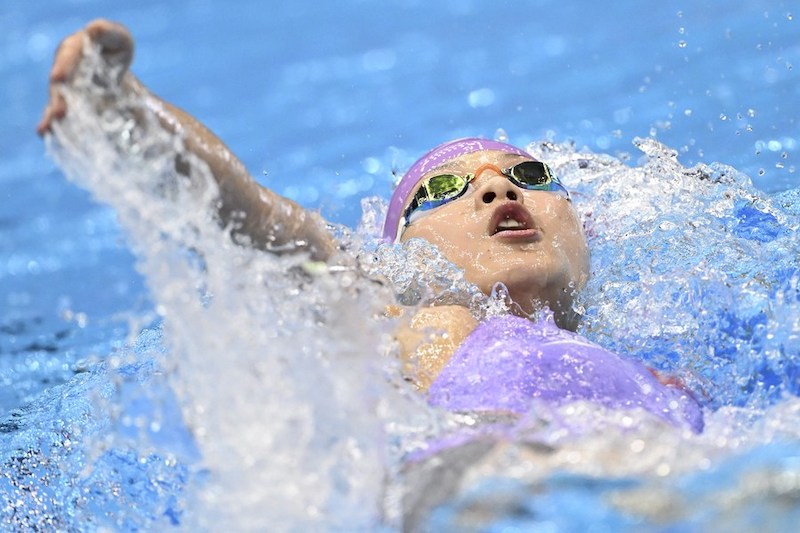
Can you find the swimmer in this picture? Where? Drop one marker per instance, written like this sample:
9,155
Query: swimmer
491,208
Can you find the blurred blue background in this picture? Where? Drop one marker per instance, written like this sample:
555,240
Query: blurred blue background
313,90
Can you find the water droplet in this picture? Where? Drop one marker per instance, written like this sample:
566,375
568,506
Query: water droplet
751,113
789,16
723,116
785,155
481,98
371,165
501,135
682,30
687,112
681,44
761,171
779,165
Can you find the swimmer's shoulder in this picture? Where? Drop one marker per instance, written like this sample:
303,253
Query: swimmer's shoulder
429,337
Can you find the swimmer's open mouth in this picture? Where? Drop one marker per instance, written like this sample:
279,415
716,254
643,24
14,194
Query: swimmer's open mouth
512,220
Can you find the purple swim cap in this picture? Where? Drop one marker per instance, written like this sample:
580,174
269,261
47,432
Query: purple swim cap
436,157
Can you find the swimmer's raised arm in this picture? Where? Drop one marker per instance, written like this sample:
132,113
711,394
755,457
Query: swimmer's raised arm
265,219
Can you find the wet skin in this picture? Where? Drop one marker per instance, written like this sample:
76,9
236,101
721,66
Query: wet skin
530,241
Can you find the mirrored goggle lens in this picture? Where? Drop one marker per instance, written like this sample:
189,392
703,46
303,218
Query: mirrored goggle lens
439,189
445,186
435,191
531,173
536,176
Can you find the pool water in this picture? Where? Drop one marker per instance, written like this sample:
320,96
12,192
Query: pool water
157,376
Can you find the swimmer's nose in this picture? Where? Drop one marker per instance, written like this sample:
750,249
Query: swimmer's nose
492,185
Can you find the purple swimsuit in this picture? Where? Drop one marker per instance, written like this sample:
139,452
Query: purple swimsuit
508,361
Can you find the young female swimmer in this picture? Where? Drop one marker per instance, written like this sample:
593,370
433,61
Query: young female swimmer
491,208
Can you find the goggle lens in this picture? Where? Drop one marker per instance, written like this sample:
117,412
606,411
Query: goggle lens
444,186
532,175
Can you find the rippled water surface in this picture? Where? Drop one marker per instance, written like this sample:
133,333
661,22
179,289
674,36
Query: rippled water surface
155,375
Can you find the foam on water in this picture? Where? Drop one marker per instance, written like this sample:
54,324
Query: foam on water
269,397
694,271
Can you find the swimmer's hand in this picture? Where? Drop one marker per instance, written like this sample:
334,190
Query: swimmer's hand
115,45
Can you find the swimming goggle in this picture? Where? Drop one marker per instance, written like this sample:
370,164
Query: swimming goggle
443,188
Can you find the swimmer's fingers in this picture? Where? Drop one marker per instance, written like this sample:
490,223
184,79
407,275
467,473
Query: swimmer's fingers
67,57
55,110
116,47
116,42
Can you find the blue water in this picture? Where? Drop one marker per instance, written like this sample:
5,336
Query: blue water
695,266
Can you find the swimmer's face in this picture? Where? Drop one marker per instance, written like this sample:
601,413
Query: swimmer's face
531,241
